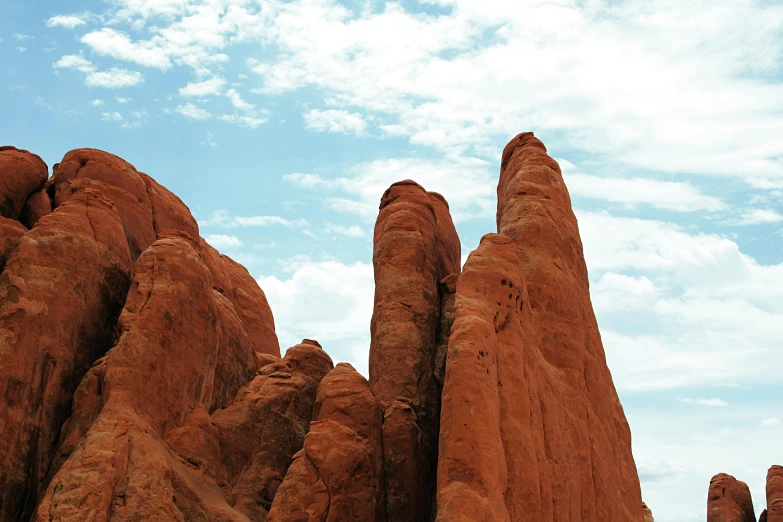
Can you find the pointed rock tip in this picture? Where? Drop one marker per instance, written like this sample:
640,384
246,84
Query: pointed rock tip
311,341
523,139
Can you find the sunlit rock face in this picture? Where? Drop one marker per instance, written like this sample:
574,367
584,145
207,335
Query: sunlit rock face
143,379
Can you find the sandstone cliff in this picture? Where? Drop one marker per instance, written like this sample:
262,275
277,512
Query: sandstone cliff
142,376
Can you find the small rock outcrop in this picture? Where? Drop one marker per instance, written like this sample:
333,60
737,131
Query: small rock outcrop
338,474
728,500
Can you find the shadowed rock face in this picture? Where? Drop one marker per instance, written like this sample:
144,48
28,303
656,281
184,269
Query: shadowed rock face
60,293
21,175
729,500
156,390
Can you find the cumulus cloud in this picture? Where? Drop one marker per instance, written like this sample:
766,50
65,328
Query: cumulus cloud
223,241
334,120
667,195
212,86
193,112
324,300
66,21
350,231
757,216
111,78
111,116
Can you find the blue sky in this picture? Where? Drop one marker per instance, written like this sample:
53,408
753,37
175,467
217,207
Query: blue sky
281,123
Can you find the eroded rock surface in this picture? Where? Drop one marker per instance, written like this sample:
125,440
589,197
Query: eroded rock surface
338,474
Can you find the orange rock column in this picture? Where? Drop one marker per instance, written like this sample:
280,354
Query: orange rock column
404,331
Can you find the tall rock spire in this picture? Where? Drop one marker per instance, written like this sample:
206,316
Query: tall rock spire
562,446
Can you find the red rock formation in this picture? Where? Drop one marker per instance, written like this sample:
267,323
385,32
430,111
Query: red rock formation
763,516
265,426
148,444
119,181
338,474
729,500
411,248
62,288
489,398
775,494
21,174
60,292
588,462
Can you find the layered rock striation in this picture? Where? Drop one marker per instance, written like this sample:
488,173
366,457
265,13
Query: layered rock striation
155,389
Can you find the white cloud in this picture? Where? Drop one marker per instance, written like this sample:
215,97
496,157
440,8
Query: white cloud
221,241
675,307
758,216
265,221
111,78
123,101
333,120
324,300
466,184
114,78
111,116
704,402
351,231
223,219
20,49
110,42
246,121
238,102
21,37
96,102
772,421
193,112
66,21
212,86
667,195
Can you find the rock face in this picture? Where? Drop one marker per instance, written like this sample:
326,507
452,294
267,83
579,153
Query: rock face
338,474
527,386
124,353
729,500
142,376
414,242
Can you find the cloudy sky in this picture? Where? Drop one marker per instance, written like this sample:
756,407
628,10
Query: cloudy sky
280,123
